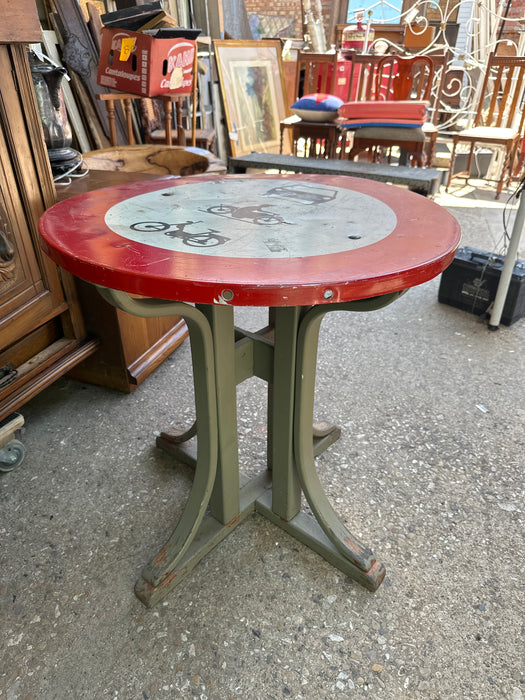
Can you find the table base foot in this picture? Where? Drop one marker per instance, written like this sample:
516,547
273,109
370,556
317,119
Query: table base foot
324,436
176,436
256,496
306,529
210,533
175,444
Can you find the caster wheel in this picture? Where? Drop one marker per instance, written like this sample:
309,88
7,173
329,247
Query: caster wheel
11,455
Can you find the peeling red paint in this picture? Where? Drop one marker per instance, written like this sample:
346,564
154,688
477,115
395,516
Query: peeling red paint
162,557
356,549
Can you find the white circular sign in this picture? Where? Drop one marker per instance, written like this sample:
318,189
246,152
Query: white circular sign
260,218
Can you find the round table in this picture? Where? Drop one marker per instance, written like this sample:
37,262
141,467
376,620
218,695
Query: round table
301,245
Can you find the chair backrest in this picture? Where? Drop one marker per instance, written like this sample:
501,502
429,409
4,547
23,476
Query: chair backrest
315,73
441,67
404,78
501,97
164,160
361,82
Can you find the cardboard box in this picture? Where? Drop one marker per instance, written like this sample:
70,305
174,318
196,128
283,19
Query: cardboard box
471,281
142,65
420,38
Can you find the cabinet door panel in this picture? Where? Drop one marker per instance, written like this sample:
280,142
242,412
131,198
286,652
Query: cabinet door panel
24,300
19,275
30,291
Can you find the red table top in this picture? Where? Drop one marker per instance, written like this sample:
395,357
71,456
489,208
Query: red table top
252,240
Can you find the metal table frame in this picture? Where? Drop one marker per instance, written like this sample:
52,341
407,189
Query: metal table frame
283,354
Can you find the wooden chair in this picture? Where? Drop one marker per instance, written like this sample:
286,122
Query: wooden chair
315,73
363,80
498,121
398,78
154,125
154,159
404,78
127,103
435,108
157,128
362,76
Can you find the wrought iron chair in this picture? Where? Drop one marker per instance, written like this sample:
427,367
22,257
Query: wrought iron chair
499,119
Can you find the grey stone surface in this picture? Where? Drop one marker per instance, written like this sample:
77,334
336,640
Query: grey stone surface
428,472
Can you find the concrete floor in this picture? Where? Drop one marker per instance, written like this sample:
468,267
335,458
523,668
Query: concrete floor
428,472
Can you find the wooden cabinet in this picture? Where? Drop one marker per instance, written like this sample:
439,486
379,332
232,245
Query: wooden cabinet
130,348
42,333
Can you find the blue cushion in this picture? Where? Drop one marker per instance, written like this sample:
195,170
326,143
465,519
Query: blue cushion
317,108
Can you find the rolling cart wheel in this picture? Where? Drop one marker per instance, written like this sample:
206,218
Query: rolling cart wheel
11,455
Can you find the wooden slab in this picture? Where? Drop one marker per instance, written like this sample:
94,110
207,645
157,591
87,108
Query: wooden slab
424,180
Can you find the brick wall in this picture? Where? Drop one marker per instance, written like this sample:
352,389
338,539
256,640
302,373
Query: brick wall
278,8
511,29
288,8
292,8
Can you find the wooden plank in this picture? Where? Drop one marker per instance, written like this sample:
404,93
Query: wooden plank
67,357
19,22
81,56
95,24
148,158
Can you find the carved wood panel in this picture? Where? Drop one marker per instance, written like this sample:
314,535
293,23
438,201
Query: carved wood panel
27,295
20,278
7,254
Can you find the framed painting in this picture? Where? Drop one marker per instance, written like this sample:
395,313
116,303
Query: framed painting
254,94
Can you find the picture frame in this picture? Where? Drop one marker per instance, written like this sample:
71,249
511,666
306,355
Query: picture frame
254,95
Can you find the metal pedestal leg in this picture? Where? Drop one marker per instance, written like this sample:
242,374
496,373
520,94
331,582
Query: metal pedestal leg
325,533
228,504
283,354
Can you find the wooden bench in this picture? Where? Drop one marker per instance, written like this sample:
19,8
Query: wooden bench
425,181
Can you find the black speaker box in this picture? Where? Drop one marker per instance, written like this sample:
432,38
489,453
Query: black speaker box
471,281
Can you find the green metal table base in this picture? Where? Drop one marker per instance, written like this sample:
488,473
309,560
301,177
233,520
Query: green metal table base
284,354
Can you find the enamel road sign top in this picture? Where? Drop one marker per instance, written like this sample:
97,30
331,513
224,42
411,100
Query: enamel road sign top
263,240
